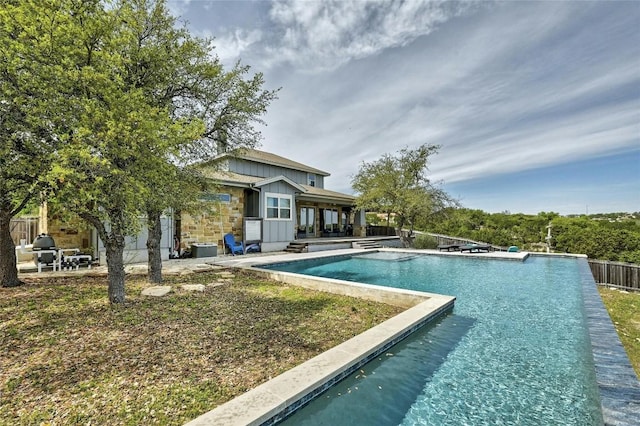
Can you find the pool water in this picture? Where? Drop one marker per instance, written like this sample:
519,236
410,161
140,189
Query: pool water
514,351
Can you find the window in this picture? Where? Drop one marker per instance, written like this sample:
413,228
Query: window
278,206
331,220
311,179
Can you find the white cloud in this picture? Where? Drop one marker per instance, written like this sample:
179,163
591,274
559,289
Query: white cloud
498,98
232,45
322,35
580,137
503,87
178,7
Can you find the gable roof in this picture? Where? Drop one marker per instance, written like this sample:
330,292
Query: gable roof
273,160
279,179
306,192
236,179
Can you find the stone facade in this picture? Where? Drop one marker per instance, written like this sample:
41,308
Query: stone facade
210,227
68,236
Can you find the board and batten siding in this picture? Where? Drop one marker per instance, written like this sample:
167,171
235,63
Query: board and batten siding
277,230
135,250
319,181
252,168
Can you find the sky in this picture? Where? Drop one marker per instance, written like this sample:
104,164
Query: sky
535,105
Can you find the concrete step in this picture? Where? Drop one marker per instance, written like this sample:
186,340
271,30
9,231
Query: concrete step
296,247
367,245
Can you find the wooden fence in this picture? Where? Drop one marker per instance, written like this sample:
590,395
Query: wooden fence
23,228
616,274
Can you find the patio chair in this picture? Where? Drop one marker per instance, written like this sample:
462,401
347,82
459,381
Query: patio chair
234,247
449,247
475,248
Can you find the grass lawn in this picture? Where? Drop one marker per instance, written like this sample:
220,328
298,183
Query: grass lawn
624,310
68,357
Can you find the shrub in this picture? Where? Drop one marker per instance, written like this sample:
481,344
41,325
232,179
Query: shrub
423,241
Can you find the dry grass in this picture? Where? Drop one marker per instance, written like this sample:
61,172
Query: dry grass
68,357
624,310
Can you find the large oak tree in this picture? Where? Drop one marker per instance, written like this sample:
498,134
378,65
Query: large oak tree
398,184
138,99
178,72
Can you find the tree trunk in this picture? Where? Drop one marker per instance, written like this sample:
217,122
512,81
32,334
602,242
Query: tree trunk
153,246
115,266
114,243
8,266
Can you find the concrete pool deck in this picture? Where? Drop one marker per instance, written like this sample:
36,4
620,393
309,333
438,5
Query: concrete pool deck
240,261
619,386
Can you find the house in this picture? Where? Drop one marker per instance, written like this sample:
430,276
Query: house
260,198
285,199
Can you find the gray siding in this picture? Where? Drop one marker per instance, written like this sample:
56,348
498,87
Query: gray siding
136,246
252,168
277,230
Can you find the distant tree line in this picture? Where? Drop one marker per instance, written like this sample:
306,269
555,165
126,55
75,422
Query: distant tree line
614,236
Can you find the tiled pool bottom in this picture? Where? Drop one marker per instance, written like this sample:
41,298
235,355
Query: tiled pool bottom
617,382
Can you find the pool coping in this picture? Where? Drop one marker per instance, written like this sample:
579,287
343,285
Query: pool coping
618,384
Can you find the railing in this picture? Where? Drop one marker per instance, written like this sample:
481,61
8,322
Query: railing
377,231
448,240
616,274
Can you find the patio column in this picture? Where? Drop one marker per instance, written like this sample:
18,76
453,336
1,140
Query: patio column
43,219
359,224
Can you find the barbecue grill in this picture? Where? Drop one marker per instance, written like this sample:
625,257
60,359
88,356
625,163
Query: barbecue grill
44,242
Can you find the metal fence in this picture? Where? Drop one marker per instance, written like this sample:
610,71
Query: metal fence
616,274
379,231
448,240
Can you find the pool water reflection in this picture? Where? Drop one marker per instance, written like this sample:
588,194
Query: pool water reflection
515,350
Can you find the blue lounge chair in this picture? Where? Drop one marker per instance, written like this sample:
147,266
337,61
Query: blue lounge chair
234,247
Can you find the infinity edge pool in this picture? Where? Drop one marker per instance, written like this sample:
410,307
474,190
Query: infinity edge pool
276,399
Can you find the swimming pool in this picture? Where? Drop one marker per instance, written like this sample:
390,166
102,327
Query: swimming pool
515,349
